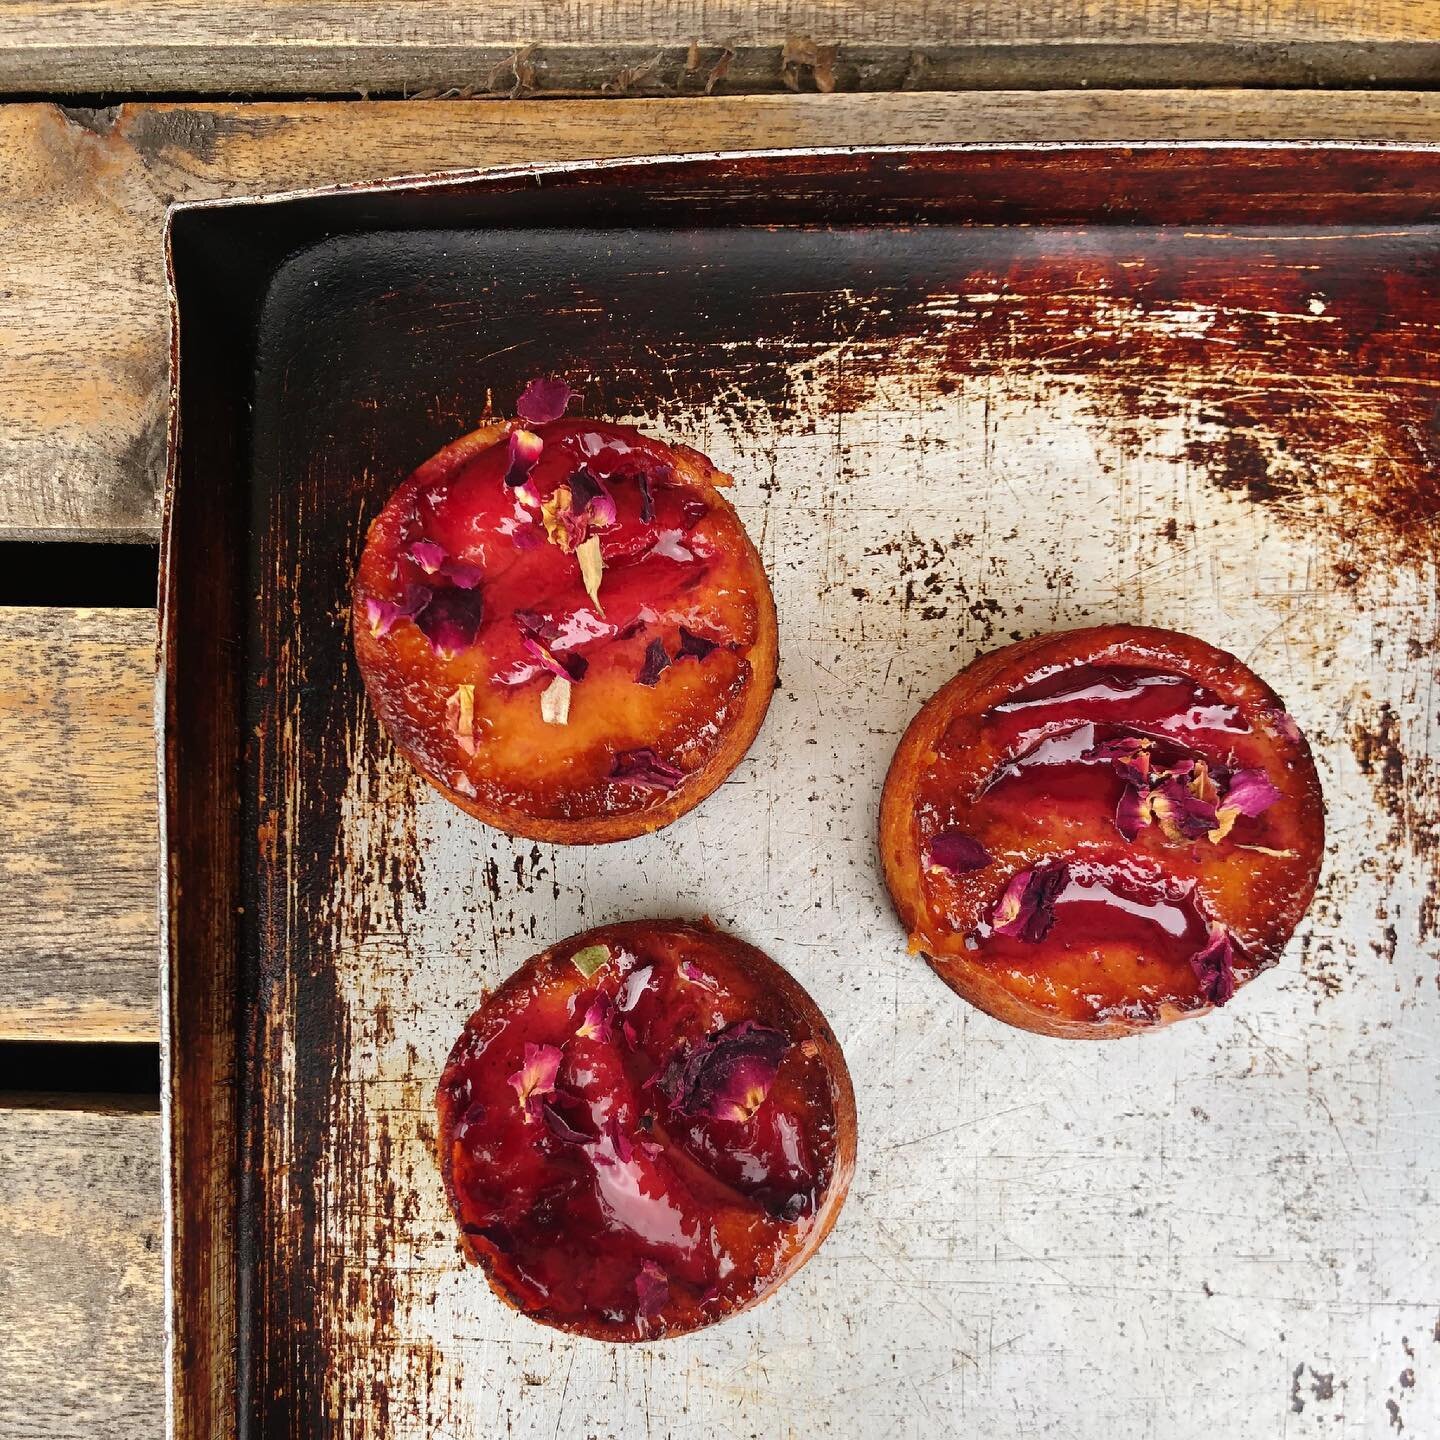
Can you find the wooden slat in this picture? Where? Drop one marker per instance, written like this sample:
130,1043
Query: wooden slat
80,1270
280,46
78,846
82,196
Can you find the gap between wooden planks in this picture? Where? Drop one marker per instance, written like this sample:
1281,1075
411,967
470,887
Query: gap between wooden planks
83,194
81,1283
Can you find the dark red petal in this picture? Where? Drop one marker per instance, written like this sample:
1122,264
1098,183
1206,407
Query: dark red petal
1182,813
451,620
1214,966
590,498
645,767
534,626
543,401
561,1128
726,1076
1130,755
953,850
656,663
647,499
1026,910
620,1142
696,646
652,1288
462,574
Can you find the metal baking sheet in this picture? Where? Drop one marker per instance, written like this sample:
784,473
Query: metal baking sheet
967,395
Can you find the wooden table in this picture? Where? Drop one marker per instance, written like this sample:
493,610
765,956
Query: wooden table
83,190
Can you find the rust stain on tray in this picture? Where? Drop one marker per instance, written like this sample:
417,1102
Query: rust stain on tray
957,437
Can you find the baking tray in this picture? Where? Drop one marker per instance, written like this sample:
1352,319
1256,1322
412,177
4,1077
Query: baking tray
967,394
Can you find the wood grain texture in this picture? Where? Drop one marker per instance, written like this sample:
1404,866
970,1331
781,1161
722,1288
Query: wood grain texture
82,198
78,856
80,1270
637,46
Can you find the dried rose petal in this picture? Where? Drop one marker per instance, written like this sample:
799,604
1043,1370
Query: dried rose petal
1285,724
592,568
1214,966
693,645
953,850
645,767
561,1128
1132,813
567,666
1129,755
434,559
656,662
428,555
1026,910
460,716
620,1141
652,1288
1199,782
1250,792
647,499
1180,813
525,448
542,401
451,620
564,525
690,971
597,1024
536,1076
726,1076
590,497
555,701
383,615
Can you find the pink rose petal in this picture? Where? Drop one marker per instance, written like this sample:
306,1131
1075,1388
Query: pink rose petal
1250,792
525,448
543,400
536,1076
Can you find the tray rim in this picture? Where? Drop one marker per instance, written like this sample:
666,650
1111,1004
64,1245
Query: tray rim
499,177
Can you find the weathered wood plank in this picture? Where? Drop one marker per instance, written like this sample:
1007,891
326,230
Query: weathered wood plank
81,1250
78,852
82,196
288,46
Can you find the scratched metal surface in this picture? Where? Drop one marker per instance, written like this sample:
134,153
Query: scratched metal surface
1224,1228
